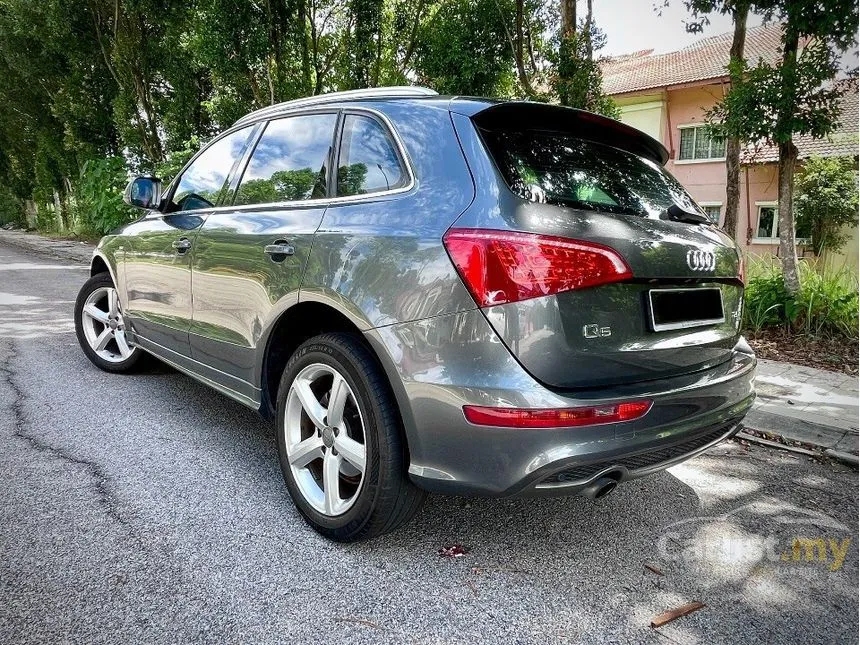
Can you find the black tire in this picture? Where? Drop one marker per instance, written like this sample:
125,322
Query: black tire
386,498
134,362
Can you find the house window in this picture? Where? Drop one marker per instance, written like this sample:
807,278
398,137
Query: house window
712,210
698,144
767,231
768,223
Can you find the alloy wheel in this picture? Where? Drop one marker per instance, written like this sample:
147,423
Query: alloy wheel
104,326
325,439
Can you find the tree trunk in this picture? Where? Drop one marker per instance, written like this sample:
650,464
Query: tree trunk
58,212
31,213
733,145
519,47
788,161
589,46
568,17
307,80
787,242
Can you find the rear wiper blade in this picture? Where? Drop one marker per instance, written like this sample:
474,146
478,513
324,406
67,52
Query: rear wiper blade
678,214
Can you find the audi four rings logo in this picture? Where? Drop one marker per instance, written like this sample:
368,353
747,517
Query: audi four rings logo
701,260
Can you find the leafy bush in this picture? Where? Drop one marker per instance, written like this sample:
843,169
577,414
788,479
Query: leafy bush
11,209
827,303
98,207
826,200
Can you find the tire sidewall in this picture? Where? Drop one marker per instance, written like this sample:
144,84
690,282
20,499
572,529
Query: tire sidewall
351,522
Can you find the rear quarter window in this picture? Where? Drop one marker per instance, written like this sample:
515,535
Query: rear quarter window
368,161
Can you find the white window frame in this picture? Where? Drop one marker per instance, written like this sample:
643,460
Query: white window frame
775,239
711,205
694,126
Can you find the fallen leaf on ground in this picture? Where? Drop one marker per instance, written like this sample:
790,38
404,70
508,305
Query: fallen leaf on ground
455,551
653,569
678,612
358,621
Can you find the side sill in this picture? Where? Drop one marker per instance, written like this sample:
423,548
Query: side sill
187,366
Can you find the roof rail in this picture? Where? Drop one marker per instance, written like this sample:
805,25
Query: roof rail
397,91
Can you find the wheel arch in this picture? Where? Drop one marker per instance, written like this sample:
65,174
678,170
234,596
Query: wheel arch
98,265
305,320
101,264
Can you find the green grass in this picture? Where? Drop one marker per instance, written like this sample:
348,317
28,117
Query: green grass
827,304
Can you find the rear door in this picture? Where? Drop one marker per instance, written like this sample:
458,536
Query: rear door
158,265
250,256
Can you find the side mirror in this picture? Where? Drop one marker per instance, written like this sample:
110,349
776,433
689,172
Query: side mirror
143,192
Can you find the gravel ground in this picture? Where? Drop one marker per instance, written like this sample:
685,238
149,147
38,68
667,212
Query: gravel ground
148,508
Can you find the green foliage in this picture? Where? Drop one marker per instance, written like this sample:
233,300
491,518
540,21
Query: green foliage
116,86
826,200
578,79
827,303
11,209
282,186
797,95
350,179
464,48
176,159
98,206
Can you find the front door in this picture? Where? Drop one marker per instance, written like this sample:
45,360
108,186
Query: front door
249,258
158,262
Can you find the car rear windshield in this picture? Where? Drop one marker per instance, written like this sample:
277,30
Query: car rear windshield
558,168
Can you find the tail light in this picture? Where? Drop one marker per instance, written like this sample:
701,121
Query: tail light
556,418
506,266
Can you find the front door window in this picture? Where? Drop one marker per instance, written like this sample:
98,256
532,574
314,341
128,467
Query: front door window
202,182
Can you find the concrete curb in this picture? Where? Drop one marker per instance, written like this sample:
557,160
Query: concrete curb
73,250
830,440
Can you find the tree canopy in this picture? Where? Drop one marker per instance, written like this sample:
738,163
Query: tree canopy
146,81
798,95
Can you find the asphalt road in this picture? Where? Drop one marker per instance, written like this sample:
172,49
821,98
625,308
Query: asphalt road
148,508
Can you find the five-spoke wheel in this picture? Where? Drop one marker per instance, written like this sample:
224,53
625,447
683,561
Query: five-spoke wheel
340,441
325,439
101,327
104,326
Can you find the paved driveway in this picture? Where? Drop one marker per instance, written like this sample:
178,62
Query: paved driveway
151,509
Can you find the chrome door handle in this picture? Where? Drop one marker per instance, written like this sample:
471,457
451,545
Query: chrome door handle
280,248
182,244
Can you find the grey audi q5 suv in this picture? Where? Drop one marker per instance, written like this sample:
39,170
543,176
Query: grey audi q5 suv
434,293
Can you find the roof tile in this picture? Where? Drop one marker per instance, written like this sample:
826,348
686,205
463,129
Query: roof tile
841,143
706,59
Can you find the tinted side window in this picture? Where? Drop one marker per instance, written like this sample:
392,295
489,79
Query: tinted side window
289,162
201,183
368,160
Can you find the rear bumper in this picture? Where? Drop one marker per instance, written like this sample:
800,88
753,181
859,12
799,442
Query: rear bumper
437,366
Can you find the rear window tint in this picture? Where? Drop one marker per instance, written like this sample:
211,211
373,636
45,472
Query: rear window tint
558,168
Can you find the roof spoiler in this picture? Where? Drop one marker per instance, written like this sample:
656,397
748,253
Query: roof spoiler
579,123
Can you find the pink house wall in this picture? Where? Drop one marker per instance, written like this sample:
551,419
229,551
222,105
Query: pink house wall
706,180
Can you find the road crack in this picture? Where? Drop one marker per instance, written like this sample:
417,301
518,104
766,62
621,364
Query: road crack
104,492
